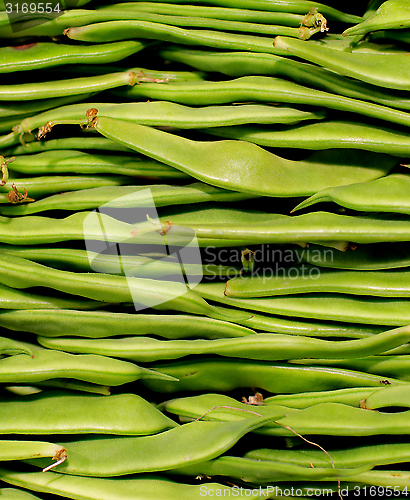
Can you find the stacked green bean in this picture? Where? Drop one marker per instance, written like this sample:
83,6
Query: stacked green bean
276,133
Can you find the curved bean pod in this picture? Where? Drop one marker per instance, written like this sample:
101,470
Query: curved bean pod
265,347
43,54
133,488
98,324
60,413
385,68
11,298
47,364
310,279
262,89
22,273
252,63
364,257
333,307
238,165
393,14
322,135
383,195
21,450
225,375
15,494
136,196
9,347
190,443
389,396
56,161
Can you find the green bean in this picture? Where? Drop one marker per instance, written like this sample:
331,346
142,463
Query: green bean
351,396
327,306
16,494
63,160
188,444
290,6
225,375
383,195
386,365
257,471
332,419
364,257
43,55
11,298
134,196
62,413
118,12
132,488
374,64
249,63
393,14
98,324
377,454
322,135
9,347
22,273
389,396
383,478
231,164
49,185
310,279
265,347
229,14
47,364
20,450
72,385
262,88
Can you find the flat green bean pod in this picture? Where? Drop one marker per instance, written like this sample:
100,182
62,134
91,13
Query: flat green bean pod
11,298
257,471
132,488
43,54
16,494
386,365
212,374
229,14
351,396
378,454
382,195
190,443
23,273
393,14
136,196
70,160
363,257
237,164
322,135
252,63
265,347
263,89
47,364
21,450
49,185
324,306
388,396
150,266
371,63
310,279
9,347
55,412
383,478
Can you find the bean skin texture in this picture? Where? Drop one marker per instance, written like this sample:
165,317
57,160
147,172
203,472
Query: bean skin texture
265,347
189,443
309,279
384,195
134,488
237,64
56,412
210,374
16,494
47,364
237,164
44,55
